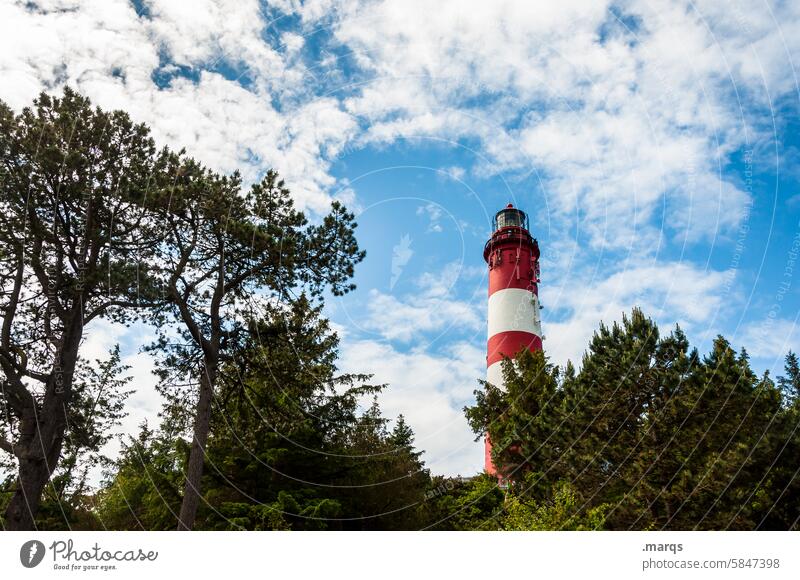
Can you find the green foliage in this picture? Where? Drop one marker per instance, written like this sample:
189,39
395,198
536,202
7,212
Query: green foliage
790,383
657,436
522,416
98,406
561,512
463,504
221,253
479,503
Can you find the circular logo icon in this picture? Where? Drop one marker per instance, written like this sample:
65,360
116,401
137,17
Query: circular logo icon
31,553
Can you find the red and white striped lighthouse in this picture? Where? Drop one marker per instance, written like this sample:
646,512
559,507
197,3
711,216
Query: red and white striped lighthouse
514,320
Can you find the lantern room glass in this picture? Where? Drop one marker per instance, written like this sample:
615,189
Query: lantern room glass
510,217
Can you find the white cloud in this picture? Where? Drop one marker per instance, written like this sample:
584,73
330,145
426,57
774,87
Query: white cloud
433,309
623,113
619,110
622,124
406,319
770,338
106,51
455,172
49,43
434,213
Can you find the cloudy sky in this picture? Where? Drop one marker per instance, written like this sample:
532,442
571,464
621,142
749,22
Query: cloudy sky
654,145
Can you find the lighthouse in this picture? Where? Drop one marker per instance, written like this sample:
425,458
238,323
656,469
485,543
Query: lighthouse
512,256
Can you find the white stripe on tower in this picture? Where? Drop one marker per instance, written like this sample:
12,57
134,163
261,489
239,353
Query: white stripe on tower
514,309
514,323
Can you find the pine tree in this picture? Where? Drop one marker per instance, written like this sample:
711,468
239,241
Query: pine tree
790,382
221,252
522,417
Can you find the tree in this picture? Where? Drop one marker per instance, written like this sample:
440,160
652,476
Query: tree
282,408
730,426
455,503
778,489
222,252
72,182
521,417
288,448
790,382
290,440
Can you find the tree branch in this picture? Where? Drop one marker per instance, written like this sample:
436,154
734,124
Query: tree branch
44,281
11,307
6,446
14,389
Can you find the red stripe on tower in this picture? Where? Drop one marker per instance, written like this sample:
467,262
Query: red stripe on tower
514,323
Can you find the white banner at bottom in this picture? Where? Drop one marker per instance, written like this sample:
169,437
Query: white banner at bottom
388,555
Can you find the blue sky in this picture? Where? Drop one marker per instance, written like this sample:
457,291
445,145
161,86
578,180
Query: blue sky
653,144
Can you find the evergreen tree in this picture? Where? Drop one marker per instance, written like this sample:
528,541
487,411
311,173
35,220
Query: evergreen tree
522,418
778,491
462,504
221,252
559,513
790,382
99,393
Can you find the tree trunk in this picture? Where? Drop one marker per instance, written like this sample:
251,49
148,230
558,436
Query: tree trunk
34,473
194,470
42,432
